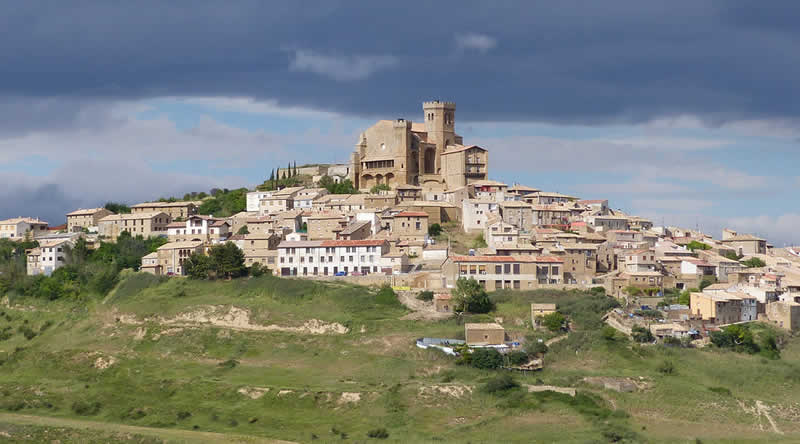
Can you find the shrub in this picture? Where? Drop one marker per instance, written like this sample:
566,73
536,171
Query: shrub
535,348
27,332
666,367
257,270
754,262
86,408
487,358
435,230
183,415
500,383
230,363
380,433
553,321
641,334
386,296
518,357
608,333
721,391
598,290
672,340
695,245
426,295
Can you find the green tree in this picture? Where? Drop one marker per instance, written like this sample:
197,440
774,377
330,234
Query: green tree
707,281
553,321
243,230
434,230
117,208
227,260
471,297
197,266
754,262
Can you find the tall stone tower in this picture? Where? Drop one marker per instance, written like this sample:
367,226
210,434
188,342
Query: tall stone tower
440,123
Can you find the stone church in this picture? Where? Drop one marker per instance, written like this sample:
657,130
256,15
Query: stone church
430,154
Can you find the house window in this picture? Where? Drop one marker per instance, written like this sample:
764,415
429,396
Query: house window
498,269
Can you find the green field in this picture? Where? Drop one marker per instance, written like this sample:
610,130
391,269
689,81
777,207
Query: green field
182,361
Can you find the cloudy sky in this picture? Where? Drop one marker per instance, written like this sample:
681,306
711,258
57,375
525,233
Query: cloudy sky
686,112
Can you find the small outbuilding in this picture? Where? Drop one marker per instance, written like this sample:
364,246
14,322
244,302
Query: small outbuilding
539,310
443,303
484,334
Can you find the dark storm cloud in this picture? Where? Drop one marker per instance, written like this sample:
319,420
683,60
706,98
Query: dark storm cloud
567,61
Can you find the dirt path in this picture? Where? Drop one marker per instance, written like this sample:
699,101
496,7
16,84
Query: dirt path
762,409
552,341
171,435
421,310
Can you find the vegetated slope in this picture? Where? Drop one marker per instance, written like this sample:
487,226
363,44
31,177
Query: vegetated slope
306,361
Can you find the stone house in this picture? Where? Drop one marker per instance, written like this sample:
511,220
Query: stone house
140,223
484,334
175,210
85,218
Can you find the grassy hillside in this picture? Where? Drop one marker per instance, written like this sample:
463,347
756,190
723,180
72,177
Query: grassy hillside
312,362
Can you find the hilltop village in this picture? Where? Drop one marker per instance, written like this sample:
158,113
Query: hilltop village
420,212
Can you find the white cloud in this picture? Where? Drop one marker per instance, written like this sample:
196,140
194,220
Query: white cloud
341,68
671,205
248,105
473,41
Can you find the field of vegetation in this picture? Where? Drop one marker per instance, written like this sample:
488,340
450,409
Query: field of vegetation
304,361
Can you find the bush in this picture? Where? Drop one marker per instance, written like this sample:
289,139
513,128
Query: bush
672,340
183,415
380,433
434,230
721,391
695,245
754,262
500,383
598,290
518,357
380,187
27,332
479,241
386,296
553,321
608,333
257,270
641,334
666,368
86,408
487,359
230,363
426,296
535,348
